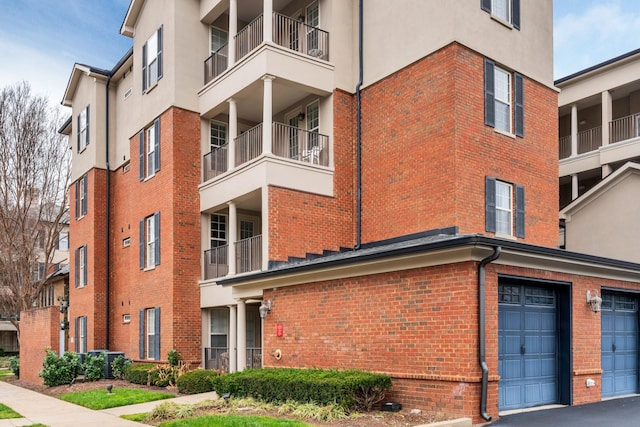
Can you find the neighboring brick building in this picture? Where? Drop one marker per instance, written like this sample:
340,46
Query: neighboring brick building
205,195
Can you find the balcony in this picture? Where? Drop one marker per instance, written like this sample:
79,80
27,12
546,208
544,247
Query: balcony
624,128
288,142
248,257
289,33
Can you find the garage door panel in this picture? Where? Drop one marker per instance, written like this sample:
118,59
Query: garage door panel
511,345
509,321
548,344
510,369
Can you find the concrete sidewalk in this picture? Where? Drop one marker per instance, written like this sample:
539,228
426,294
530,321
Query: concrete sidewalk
40,408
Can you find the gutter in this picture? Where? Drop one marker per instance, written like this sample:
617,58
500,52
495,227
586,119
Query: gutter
108,218
359,133
482,353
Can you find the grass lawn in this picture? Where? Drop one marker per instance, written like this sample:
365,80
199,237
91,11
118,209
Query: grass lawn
232,421
6,412
100,399
4,373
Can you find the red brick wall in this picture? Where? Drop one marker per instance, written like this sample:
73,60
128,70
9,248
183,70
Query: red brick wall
303,222
89,301
426,151
39,329
172,285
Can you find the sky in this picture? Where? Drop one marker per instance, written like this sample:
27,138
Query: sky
40,40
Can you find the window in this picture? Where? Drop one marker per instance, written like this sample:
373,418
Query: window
81,334
218,39
81,197
218,236
505,10
37,271
499,212
63,241
246,229
218,327
150,241
499,98
126,242
126,318
149,150
149,334
83,129
312,22
81,267
218,135
313,123
152,60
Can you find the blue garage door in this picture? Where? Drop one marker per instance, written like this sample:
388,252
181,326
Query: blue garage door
619,345
527,352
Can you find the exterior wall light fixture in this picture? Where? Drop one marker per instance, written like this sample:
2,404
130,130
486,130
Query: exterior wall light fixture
265,308
594,301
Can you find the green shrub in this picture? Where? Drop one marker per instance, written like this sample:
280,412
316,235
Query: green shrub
1,352
119,367
197,381
352,390
173,357
14,365
59,370
138,373
93,367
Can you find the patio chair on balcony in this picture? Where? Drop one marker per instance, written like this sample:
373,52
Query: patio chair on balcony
312,155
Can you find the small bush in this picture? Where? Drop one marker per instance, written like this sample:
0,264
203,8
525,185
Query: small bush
198,381
166,375
14,365
59,370
119,367
93,367
138,373
352,390
173,357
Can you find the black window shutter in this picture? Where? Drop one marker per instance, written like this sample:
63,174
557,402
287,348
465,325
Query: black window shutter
156,224
76,263
156,144
84,258
485,5
86,135
519,104
84,332
144,67
159,52
141,333
156,347
142,244
490,204
489,93
76,333
515,13
85,179
77,199
520,211
141,154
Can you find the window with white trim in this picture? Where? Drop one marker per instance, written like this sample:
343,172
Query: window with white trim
149,150
504,206
80,264
63,241
219,327
218,134
503,99
152,60
218,236
150,241
83,129
81,334
149,334
507,11
219,38
313,123
81,196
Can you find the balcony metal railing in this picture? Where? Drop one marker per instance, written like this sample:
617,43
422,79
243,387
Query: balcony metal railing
215,162
254,357
216,262
216,358
248,145
293,143
216,63
249,254
565,147
624,128
249,38
589,140
300,37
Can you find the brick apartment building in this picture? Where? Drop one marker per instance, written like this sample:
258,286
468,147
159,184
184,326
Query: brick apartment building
224,165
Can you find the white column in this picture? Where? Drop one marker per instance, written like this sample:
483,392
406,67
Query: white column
574,186
205,224
233,237
233,133
574,130
267,20
233,350
267,113
233,30
606,171
205,325
265,227
242,336
606,116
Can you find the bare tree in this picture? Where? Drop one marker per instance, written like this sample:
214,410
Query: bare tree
34,175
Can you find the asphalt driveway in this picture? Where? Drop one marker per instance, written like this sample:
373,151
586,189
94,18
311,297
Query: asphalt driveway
624,412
